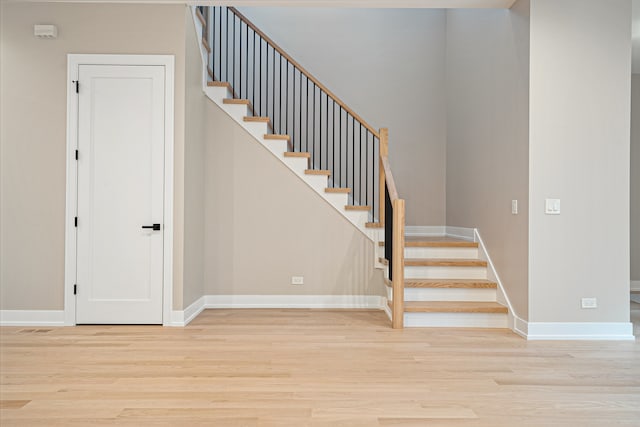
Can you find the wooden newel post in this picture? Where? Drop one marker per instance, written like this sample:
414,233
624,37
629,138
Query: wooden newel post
384,152
398,264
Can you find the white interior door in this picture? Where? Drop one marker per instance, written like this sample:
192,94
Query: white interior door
120,191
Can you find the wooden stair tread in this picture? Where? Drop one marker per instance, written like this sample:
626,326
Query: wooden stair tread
317,172
277,137
428,243
235,101
337,190
256,119
453,307
297,154
444,262
450,283
219,84
357,208
374,225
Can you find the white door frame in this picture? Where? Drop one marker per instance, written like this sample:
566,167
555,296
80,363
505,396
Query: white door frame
73,63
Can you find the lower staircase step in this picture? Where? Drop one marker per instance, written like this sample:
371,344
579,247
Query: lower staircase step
256,119
453,307
297,154
234,101
450,283
444,262
219,84
374,225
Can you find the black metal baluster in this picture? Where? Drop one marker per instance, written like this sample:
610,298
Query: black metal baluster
314,124
260,81
293,104
286,99
388,230
227,48
353,158
233,74
360,165
246,74
320,126
253,74
340,145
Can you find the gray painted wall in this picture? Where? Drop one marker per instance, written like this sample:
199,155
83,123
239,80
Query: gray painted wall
487,135
33,132
388,65
579,153
635,179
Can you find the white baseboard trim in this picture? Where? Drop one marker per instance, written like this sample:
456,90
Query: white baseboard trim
32,318
597,331
294,301
461,232
184,317
424,230
635,285
387,309
518,325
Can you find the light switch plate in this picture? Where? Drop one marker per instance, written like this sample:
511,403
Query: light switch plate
552,206
514,207
297,280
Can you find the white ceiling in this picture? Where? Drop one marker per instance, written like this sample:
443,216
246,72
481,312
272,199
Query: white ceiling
427,4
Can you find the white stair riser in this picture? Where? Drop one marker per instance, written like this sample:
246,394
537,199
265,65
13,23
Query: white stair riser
446,294
237,111
356,218
457,253
443,273
218,93
456,320
257,129
276,146
297,164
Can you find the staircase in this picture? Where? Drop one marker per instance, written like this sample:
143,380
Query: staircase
436,281
445,285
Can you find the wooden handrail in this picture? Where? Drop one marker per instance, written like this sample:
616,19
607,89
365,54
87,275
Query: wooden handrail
304,71
391,185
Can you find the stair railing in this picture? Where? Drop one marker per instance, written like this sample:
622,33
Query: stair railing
316,120
392,215
297,103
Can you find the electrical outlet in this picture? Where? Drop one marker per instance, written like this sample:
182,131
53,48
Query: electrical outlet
297,280
552,206
514,207
589,303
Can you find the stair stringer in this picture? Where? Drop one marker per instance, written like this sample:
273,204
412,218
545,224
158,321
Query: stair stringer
277,148
514,322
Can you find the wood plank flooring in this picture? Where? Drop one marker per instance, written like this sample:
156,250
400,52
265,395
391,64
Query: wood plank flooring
310,368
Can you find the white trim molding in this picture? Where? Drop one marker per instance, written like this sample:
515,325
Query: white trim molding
73,63
424,230
32,318
461,232
295,301
635,285
183,318
597,331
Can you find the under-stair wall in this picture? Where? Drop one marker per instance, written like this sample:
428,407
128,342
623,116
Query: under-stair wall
488,141
263,225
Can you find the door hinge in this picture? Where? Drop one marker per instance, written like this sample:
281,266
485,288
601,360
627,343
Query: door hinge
75,222
76,154
75,289
77,83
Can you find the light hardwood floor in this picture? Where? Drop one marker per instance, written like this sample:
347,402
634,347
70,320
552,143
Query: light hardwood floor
310,368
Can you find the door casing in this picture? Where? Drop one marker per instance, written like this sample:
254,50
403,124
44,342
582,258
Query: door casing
73,63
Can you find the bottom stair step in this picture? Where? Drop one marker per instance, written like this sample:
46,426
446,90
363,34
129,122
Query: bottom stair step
453,307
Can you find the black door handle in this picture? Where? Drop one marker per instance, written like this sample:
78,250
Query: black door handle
153,227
